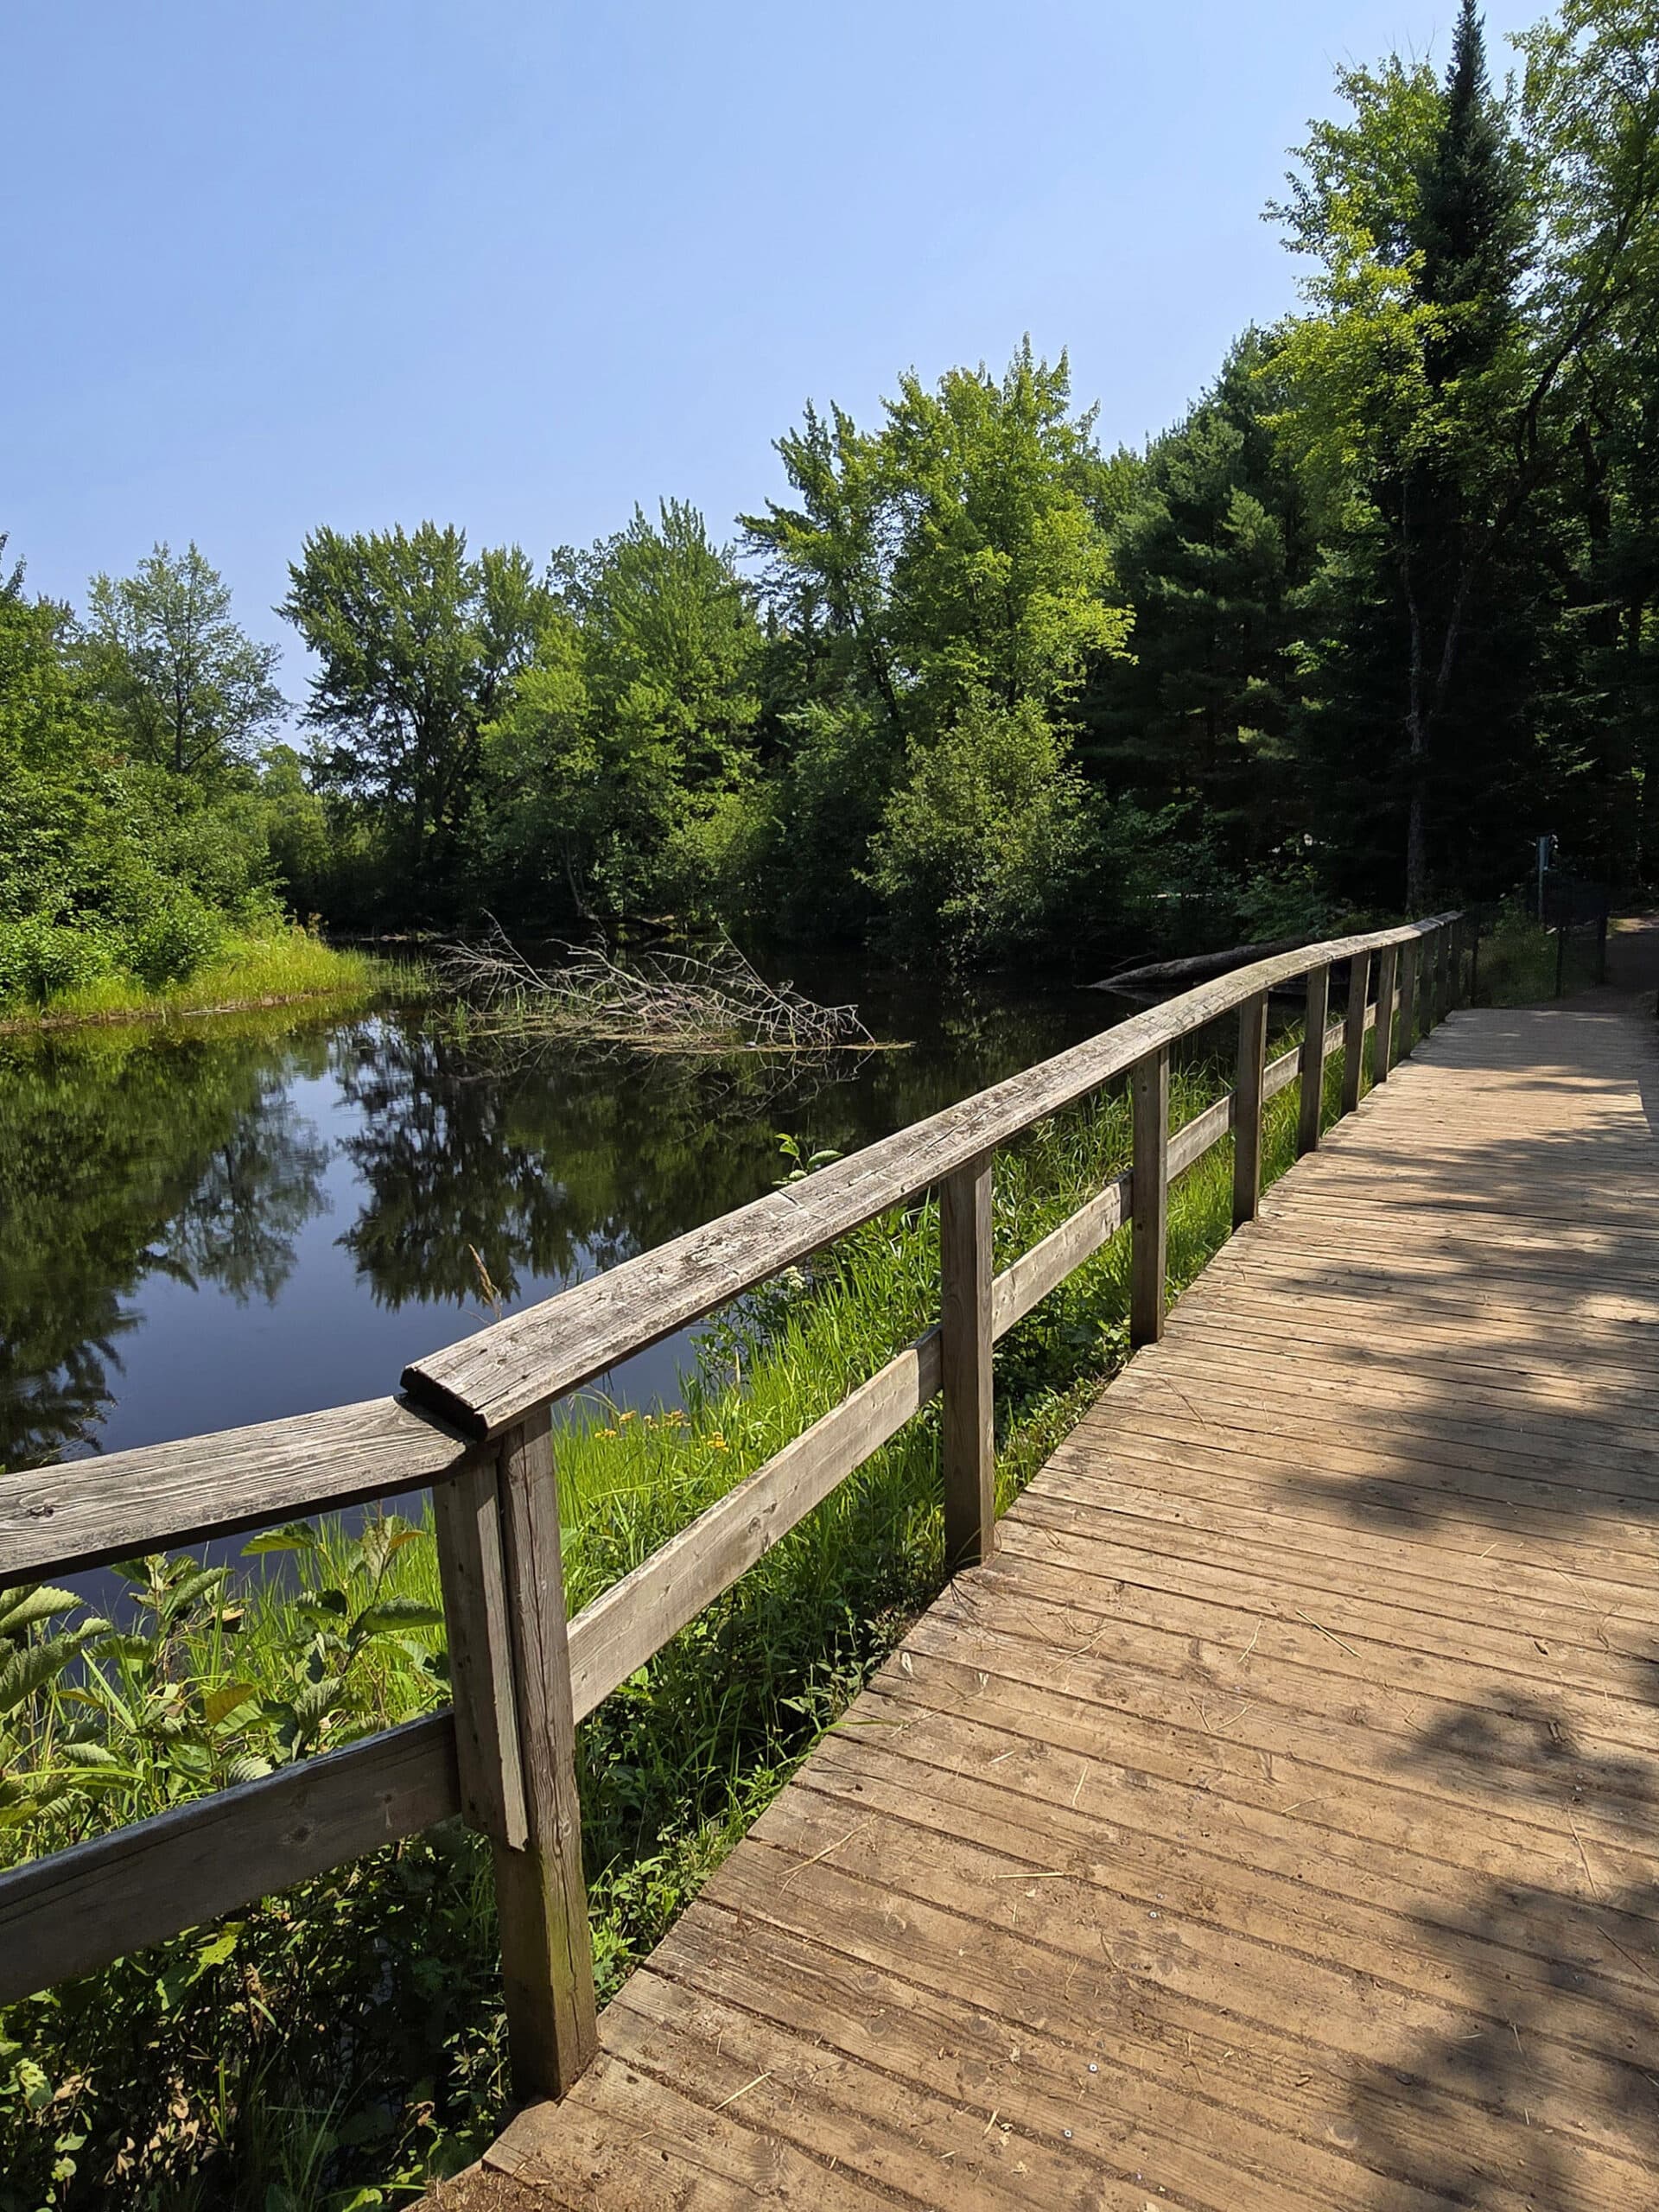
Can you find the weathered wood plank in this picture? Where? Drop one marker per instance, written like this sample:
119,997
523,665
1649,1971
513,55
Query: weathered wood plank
1353,1031
491,1379
1248,1096
465,1512
1383,1041
968,1454
547,1964
1311,1068
1149,1196
74,1911
1407,959
81,1512
1028,1280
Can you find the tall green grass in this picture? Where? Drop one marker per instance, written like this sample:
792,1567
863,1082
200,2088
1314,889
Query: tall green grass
247,968
351,2031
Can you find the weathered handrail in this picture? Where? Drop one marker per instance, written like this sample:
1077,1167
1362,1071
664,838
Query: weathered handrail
474,1426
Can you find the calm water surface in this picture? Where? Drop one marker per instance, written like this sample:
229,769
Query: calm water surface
247,1221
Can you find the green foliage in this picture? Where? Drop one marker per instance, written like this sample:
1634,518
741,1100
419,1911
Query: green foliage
141,854
619,776
985,842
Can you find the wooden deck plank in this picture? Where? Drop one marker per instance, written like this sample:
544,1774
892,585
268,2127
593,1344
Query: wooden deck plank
1270,1824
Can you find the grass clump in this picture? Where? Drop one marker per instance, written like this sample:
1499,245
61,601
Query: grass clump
1518,959
337,2046
181,960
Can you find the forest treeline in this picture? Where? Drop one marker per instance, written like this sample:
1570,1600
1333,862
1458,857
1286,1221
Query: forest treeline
1376,613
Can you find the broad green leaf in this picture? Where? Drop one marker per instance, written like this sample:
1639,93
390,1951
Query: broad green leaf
215,1951
22,1609
31,1667
389,1614
87,1755
134,1649
229,1698
191,1587
296,1536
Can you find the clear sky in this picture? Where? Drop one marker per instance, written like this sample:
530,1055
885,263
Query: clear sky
519,265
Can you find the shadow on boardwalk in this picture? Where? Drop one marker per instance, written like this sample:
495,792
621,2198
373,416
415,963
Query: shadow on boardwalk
1270,1826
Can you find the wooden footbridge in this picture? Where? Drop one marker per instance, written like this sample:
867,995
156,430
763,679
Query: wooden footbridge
1264,1817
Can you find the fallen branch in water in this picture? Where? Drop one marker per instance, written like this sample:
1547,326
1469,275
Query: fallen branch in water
669,1002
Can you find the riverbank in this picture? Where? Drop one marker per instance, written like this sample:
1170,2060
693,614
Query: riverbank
351,2031
247,970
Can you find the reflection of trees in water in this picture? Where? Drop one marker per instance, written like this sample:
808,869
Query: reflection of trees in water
255,1192
550,1166
121,1157
553,1163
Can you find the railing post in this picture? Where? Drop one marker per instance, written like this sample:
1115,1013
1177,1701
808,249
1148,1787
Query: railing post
1149,1198
497,1525
1445,937
1353,1031
1313,1061
968,1451
1383,1035
1408,964
1247,1107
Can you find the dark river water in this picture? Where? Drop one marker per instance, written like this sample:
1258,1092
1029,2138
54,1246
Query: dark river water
244,1218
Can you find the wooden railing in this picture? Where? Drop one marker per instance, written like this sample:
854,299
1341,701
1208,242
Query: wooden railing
473,1423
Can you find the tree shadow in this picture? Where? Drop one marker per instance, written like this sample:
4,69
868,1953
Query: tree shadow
1524,1387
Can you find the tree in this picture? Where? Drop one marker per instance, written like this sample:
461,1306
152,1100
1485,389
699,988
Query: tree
954,551
981,845
929,582
1474,259
187,688
417,646
1210,544
619,768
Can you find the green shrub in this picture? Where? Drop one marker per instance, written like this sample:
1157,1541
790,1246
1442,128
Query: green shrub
170,945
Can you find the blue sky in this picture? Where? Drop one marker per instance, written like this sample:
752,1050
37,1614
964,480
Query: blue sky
519,266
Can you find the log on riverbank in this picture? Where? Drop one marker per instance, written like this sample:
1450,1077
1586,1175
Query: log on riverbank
1196,968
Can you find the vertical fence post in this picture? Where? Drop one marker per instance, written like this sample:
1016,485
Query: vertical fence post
1444,957
1407,998
1313,1061
1383,1035
1247,1107
1353,1030
1474,962
497,1525
969,1457
1149,1198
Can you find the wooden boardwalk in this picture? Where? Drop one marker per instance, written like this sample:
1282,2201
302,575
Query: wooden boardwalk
1272,1823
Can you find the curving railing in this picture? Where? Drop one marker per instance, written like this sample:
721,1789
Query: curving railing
473,1423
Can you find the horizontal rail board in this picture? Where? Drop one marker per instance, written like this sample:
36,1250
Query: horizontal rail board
621,1630
493,1378
81,1512
74,1911
625,1627
1029,1279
